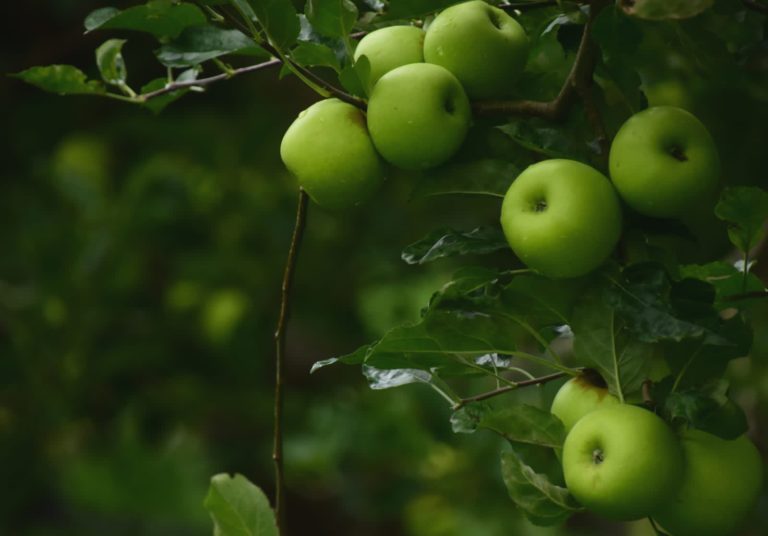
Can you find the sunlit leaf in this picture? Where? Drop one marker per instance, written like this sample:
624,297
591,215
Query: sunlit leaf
111,64
239,508
61,79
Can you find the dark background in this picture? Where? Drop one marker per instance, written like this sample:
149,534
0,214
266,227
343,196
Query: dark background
139,283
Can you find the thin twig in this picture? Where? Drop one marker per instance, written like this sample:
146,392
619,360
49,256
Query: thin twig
501,390
578,78
282,320
647,396
747,295
756,5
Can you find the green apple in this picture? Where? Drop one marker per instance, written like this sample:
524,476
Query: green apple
329,151
418,115
578,396
622,462
483,46
561,217
664,163
721,482
391,47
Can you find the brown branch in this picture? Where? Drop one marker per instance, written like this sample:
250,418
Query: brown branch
579,78
756,5
282,320
747,295
524,6
501,390
647,397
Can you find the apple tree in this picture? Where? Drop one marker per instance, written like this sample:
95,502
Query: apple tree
634,249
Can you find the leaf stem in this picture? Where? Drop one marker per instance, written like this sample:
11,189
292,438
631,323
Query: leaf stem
282,320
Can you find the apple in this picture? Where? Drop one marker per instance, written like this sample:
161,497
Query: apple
721,481
483,46
622,462
561,217
578,396
664,163
329,151
418,116
390,47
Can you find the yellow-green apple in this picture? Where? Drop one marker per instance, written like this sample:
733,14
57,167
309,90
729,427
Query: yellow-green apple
721,481
329,151
561,217
664,163
391,47
578,396
418,115
481,44
622,462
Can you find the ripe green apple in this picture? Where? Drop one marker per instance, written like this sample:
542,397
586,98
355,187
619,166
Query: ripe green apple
664,163
483,46
329,151
391,47
418,115
561,217
622,462
721,482
578,396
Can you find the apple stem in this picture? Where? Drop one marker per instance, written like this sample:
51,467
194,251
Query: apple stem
282,322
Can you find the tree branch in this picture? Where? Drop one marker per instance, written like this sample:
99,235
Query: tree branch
501,390
756,5
282,320
578,81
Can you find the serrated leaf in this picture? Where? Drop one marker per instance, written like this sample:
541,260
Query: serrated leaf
479,177
203,43
448,243
239,508
161,18
745,209
109,59
315,55
279,19
332,18
665,9
61,79
522,423
542,502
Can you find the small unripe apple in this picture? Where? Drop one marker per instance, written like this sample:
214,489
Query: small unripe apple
481,44
418,115
664,163
329,151
579,396
391,47
622,462
561,217
721,482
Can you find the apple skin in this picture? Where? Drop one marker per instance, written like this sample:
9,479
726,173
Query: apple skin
721,482
579,396
328,149
418,116
664,163
391,47
561,217
622,462
483,46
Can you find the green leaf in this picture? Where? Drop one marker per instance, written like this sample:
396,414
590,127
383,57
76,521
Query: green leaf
387,379
157,104
665,9
447,243
413,9
745,209
522,423
727,280
203,43
479,177
466,420
542,138
61,79
239,508
603,341
109,58
161,18
315,55
279,19
356,77
542,502
333,18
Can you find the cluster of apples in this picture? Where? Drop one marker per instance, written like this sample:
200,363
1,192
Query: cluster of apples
418,108
625,463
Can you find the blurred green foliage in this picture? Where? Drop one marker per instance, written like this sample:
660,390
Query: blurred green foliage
139,284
